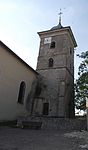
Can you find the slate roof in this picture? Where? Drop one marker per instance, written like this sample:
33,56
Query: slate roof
59,26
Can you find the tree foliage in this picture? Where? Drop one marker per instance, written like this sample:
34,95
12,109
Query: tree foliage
81,86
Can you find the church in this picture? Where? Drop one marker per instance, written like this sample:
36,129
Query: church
46,91
55,65
16,78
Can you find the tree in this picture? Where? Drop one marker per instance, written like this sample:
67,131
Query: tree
81,86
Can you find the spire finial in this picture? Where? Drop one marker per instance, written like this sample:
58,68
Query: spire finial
60,13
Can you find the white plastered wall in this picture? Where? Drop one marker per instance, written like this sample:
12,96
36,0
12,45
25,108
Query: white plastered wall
12,73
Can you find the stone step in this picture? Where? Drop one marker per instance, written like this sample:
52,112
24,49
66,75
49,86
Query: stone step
26,123
52,123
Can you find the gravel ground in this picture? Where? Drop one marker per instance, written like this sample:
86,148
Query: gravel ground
83,136
25,139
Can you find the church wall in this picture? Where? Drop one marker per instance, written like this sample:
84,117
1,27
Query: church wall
69,95
43,62
53,92
12,73
58,91
57,79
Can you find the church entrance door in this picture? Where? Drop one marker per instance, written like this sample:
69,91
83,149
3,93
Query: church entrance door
45,108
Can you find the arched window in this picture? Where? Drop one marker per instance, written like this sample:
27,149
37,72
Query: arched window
51,62
21,92
52,44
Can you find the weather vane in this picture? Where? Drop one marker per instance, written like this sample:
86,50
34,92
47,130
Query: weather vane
60,16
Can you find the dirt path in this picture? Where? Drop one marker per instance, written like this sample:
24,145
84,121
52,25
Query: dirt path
24,139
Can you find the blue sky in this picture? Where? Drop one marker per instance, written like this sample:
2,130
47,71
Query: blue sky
21,20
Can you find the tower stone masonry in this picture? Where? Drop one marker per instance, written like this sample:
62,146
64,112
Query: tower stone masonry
54,94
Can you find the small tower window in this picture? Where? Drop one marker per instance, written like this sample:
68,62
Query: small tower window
51,62
70,50
21,92
52,44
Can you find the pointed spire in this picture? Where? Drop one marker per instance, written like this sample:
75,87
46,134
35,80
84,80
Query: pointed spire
59,26
60,13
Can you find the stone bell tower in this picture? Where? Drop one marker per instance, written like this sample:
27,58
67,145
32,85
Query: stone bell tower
56,68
